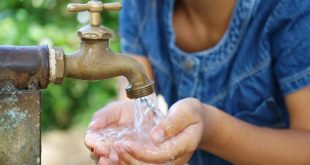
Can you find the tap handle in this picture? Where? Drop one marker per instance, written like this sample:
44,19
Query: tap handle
94,7
76,7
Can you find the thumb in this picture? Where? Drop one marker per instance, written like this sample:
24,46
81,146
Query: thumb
181,115
109,114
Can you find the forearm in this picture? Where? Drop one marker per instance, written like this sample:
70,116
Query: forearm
243,143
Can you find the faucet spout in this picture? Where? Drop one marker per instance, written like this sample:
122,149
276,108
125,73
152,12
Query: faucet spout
95,61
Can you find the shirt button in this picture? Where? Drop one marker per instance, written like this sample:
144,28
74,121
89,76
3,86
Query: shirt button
189,64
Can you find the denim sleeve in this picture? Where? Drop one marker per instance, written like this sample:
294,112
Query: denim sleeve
291,45
130,30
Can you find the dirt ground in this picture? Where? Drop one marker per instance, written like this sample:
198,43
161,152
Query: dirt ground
65,148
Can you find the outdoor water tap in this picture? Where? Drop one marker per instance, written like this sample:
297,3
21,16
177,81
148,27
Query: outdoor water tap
26,69
95,60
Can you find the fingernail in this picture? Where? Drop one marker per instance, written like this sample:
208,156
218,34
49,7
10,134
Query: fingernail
91,124
100,149
159,136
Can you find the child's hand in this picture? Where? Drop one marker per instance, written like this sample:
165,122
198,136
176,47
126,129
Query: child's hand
177,137
113,116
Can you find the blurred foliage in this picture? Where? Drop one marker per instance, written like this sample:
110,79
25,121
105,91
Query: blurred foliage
34,22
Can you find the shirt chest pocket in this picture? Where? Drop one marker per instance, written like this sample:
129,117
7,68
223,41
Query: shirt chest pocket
267,114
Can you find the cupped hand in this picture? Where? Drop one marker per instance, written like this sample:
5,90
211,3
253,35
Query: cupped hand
112,122
176,137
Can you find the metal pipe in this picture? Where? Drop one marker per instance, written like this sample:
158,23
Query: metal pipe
27,67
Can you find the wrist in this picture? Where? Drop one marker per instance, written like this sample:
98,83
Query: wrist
210,126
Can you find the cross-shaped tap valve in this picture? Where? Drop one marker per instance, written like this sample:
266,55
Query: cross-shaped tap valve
94,7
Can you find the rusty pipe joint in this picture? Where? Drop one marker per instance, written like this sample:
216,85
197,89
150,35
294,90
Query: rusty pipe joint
56,65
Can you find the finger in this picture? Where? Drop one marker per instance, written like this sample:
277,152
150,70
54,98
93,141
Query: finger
109,114
114,156
90,140
166,151
145,153
104,161
123,163
102,147
181,115
124,157
181,160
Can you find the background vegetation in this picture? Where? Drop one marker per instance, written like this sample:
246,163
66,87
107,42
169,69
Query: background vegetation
34,22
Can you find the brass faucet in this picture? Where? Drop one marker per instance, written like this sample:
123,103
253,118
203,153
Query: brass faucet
95,60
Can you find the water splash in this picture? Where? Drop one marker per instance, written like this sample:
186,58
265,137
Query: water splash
146,116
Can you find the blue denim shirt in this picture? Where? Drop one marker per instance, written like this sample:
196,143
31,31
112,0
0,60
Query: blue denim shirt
263,56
